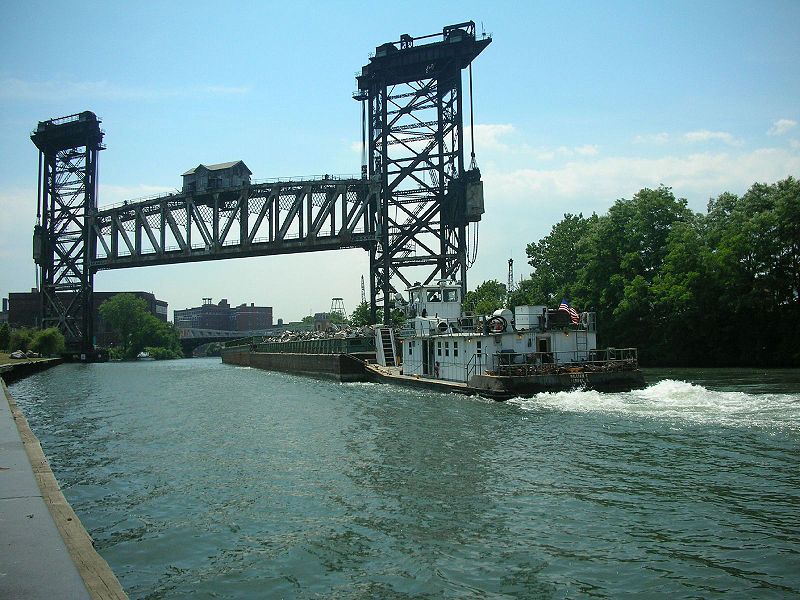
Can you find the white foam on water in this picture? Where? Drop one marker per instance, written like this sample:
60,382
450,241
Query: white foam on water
681,402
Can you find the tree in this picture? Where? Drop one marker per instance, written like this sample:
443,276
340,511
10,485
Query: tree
48,342
556,262
127,314
21,339
5,336
360,316
486,298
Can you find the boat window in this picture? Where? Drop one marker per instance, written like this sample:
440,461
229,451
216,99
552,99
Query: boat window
410,349
479,348
455,348
439,348
451,295
447,348
434,296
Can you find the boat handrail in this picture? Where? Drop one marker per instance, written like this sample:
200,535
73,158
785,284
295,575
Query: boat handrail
473,364
537,363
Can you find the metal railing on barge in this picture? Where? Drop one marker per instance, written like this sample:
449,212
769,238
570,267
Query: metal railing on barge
573,361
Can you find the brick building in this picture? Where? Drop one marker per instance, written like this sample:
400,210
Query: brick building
221,316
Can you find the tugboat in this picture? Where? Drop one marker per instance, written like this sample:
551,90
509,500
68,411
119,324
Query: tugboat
523,352
529,350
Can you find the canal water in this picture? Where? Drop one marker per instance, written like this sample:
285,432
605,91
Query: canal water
203,480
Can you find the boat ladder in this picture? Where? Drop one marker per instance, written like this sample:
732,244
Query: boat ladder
582,341
384,347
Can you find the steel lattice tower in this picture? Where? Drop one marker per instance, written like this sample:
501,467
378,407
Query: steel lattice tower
414,131
63,244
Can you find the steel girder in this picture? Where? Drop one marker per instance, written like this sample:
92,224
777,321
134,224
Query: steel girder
254,220
416,155
62,244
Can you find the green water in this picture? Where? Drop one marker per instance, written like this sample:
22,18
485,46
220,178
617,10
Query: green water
203,480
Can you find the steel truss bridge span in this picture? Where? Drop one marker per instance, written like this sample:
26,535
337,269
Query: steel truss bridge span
252,220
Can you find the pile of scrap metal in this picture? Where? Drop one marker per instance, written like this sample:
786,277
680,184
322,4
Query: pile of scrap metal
343,331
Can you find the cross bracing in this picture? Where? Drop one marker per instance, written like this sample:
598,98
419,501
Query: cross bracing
252,220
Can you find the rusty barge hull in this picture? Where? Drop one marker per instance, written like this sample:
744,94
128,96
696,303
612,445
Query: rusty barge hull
339,367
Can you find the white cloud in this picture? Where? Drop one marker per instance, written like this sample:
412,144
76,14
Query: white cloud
704,135
18,89
781,126
488,136
586,150
652,138
588,182
522,205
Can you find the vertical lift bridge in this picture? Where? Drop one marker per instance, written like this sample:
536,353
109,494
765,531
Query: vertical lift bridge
410,209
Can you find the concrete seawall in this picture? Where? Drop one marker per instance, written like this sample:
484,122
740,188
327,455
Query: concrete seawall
17,370
45,552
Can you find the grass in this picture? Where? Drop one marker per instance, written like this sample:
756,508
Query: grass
5,359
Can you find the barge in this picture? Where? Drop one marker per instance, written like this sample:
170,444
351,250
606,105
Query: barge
530,350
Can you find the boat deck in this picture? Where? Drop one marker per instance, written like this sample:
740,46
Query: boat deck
393,375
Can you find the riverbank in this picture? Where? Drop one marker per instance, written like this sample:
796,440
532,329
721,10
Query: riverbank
46,552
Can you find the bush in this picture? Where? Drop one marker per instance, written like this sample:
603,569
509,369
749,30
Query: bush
21,339
161,353
47,342
5,337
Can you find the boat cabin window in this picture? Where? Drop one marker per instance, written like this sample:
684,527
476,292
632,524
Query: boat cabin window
455,348
479,347
451,295
434,296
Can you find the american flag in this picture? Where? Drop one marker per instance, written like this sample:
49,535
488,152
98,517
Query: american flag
573,314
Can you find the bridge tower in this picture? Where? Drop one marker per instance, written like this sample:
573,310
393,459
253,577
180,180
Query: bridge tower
411,92
63,245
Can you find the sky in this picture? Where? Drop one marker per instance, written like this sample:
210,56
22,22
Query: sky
575,104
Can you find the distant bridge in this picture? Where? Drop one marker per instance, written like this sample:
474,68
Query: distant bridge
191,338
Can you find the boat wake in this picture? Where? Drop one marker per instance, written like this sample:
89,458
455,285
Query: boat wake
678,401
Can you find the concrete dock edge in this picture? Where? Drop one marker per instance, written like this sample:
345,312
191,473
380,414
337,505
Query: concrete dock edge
98,578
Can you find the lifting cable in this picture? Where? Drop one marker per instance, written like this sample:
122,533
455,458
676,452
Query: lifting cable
363,137
472,163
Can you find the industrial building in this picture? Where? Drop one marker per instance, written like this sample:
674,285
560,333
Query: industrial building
223,317
216,177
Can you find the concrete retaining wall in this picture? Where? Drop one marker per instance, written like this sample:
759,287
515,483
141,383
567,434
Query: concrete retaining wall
17,370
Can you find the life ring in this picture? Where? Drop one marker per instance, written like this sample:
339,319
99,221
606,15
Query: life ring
497,324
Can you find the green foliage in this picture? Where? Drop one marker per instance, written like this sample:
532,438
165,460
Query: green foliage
486,298
716,289
360,316
21,339
161,353
48,341
5,337
127,314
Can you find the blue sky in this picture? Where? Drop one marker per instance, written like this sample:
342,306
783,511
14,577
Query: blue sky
575,107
